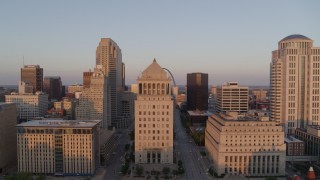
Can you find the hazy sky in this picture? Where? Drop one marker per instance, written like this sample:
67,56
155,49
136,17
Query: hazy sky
229,40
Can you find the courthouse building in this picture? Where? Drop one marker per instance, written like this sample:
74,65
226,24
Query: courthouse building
245,145
154,117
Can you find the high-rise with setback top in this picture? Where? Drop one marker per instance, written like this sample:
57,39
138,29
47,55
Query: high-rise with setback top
108,55
154,117
295,83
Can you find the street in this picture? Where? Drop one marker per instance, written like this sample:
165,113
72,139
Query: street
113,165
188,152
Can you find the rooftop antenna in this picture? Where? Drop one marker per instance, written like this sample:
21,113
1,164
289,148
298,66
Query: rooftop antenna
23,60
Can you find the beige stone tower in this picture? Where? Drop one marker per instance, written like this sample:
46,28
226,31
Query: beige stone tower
154,117
108,55
295,83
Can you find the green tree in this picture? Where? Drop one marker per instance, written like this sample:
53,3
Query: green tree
139,170
166,170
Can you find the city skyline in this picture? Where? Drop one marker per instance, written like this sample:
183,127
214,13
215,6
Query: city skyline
229,41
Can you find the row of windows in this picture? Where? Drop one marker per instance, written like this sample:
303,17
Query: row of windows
153,113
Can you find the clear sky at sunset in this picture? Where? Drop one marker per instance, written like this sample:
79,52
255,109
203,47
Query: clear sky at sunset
229,40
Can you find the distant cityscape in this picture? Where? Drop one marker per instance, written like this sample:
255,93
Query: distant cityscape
155,129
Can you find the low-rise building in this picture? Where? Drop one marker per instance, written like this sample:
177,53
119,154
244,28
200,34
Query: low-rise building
311,139
295,147
59,147
245,146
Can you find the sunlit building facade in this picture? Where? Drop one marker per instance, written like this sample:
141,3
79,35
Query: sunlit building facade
58,147
154,117
242,145
232,97
295,83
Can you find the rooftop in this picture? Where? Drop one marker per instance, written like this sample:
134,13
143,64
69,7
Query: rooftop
61,123
295,36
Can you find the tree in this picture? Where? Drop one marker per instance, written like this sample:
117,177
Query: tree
166,170
139,170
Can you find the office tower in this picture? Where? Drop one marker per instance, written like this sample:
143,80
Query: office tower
244,145
59,147
67,105
33,74
53,87
25,88
127,110
8,140
87,79
109,55
232,97
76,88
93,100
154,117
197,91
29,105
295,83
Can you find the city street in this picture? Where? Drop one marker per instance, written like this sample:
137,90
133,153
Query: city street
195,166
114,165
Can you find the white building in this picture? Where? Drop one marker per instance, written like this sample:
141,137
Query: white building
59,147
29,105
25,87
154,117
93,101
232,97
245,145
295,83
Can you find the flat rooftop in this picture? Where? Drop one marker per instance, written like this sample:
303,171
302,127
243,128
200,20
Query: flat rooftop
198,113
291,139
60,123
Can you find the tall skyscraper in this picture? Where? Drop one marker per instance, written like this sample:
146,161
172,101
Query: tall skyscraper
295,83
8,140
93,100
109,56
154,117
197,91
232,97
33,74
52,85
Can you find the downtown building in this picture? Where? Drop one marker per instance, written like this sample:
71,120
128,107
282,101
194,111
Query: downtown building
29,105
92,104
154,117
240,144
8,140
295,83
109,56
58,147
232,97
33,74
52,85
197,91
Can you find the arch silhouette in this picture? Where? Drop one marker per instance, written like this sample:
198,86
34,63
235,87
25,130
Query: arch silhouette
174,82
